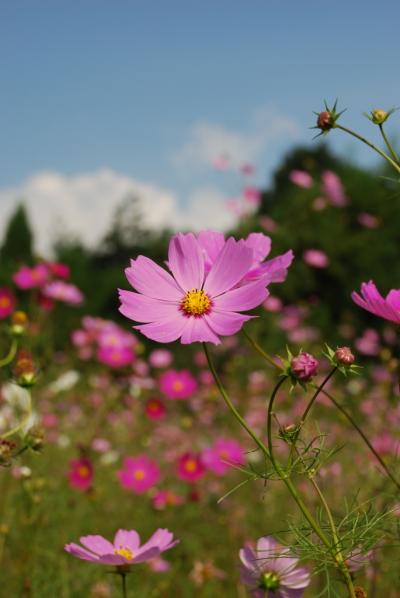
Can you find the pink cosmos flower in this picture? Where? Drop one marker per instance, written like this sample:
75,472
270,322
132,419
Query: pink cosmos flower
80,474
155,409
304,366
193,304
178,384
160,358
225,453
371,300
221,163
252,195
368,220
7,303
125,550
167,498
301,179
115,357
333,188
368,343
316,258
59,270
247,169
270,571
63,291
29,278
138,474
190,467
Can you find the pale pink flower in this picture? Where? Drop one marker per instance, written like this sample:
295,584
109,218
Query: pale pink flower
316,258
333,188
301,179
125,550
222,455
63,291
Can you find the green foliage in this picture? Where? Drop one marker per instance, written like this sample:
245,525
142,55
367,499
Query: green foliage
17,245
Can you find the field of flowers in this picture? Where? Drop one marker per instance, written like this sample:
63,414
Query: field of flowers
182,457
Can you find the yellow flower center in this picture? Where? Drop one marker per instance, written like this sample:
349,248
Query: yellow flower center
139,474
177,385
83,471
196,303
125,552
190,465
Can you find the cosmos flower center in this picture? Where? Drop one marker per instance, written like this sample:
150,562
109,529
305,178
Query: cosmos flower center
125,552
83,471
139,474
190,465
269,581
5,302
196,303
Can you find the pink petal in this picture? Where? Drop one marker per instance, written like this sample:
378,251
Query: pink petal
393,299
127,539
151,280
232,264
145,555
212,243
113,559
198,331
243,298
145,309
97,544
226,323
260,244
186,261
275,269
164,331
80,552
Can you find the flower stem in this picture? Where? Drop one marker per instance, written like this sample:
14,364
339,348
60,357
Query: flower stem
364,437
10,355
230,405
315,395
371,145
389,145
347,415
124,591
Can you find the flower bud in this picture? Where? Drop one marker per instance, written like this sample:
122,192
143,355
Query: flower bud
19,322
324,121
379,116
344,356
35,438
360,592
7,448
24,369
304,367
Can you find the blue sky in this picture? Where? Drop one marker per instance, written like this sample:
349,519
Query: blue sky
146,88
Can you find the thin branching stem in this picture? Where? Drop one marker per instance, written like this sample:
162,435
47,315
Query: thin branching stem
389,145
10,355
315,395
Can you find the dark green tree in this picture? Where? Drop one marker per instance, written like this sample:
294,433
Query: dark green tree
17,244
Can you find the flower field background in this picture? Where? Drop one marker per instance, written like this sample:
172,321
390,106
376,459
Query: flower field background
105,428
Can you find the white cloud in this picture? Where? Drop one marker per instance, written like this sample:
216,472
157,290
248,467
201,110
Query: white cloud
83,205
207,141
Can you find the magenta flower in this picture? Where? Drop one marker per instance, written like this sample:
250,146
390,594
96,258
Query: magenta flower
225,453
371,300
192,304
63,291
7,303
178,384
155,409
190,467
115,357
125,550
29,278
270,572
80,474
138,474
59,270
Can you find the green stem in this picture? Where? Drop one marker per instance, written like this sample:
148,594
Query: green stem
230,405
371,145
389,145
364,437
10,355
124,591
340,408
338,550
315,395
23,421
